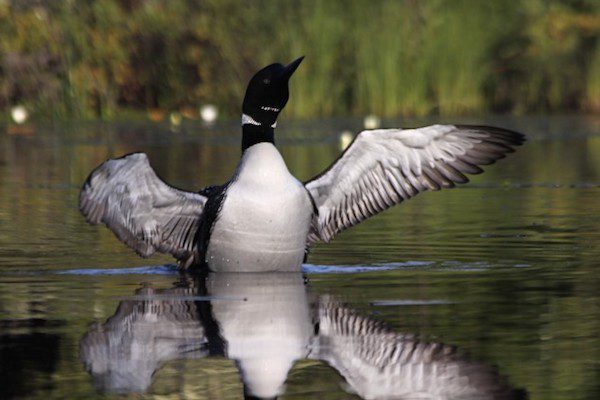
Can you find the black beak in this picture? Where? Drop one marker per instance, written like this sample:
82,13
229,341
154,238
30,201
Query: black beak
289,69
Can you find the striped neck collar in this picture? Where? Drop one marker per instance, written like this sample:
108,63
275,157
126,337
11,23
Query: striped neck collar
253,133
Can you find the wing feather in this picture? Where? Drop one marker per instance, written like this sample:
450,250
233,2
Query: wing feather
144,212
384,167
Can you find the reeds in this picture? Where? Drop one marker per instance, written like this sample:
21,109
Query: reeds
94,59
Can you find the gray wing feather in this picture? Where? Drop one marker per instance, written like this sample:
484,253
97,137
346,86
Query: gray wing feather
143,211
384,167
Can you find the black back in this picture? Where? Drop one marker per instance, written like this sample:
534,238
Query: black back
216,196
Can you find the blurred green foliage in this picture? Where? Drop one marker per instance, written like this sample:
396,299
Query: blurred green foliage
88,59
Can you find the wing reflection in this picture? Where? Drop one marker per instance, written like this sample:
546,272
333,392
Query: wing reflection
379,363
265,322
122,353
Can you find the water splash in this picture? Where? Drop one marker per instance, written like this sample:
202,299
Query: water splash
167,269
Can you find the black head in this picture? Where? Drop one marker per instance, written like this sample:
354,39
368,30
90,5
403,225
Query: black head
268,93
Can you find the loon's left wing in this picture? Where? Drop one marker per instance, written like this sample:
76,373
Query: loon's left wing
384,167
144,212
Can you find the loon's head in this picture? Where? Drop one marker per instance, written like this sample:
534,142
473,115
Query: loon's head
267,94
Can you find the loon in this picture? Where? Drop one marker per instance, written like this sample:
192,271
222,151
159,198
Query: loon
263,218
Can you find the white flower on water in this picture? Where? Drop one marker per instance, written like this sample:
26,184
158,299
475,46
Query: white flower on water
372,122
209,113
175,118
345,139
19,114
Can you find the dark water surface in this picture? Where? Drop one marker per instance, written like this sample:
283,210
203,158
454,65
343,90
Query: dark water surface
484,291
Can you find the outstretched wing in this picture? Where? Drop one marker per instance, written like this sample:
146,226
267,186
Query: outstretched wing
144,212
384,167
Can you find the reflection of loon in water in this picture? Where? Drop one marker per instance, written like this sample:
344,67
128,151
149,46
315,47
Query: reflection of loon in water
265,323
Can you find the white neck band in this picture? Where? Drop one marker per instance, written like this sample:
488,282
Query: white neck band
246,119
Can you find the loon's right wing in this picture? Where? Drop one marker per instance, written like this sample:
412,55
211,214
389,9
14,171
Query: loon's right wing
144,212
379,363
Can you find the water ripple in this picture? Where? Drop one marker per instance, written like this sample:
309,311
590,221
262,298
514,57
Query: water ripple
171,269
409,302
353,269
167,269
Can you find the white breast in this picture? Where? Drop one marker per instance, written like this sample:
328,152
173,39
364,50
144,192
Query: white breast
264,219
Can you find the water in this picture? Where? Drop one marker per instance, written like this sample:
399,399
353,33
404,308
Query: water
504,269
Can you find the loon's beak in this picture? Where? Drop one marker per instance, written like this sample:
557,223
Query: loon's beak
289,69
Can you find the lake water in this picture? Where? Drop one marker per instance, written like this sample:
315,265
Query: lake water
490,290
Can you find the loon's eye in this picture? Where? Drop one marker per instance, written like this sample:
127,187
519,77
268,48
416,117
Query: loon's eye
266,81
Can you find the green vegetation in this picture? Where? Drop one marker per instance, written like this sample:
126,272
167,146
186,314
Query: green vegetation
89,59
